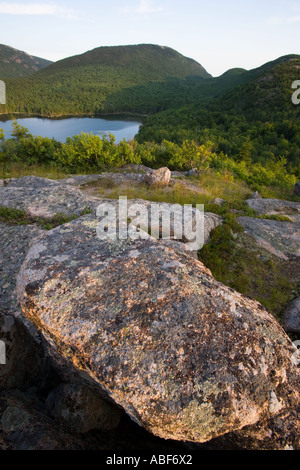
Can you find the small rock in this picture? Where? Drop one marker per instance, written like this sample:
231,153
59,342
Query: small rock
193,172
219,201
297,189
179,174
159,177
291,317
256,195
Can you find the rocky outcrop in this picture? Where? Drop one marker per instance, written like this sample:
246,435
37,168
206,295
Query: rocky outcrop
43,198
278,207
280,237
185,356
116,178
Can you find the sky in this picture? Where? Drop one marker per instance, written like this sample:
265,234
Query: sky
219,34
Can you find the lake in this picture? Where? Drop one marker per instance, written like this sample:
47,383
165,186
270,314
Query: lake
60,129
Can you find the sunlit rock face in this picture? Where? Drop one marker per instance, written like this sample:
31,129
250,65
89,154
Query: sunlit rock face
185,356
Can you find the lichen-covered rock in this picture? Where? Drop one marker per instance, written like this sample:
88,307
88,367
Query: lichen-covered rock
185,356
280,238
44,198
159,177
31,181
115,178
81,408
279,433
279,207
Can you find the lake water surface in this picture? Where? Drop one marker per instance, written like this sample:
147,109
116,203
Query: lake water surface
60,129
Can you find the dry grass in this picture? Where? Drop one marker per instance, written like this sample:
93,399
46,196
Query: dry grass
16,170
202,189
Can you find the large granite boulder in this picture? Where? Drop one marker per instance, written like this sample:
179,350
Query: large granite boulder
186,357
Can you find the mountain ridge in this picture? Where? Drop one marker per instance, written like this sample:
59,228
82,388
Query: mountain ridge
124,54
16,63
83,84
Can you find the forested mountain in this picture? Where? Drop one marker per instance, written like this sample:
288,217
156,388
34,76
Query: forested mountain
15,63
90,82
152,61
255,120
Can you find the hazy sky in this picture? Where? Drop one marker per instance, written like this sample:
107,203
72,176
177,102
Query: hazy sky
219,34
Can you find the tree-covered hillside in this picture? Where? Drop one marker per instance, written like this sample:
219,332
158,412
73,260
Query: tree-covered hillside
254,121
90,83
15,63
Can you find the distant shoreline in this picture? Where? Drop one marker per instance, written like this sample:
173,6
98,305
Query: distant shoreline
68,116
